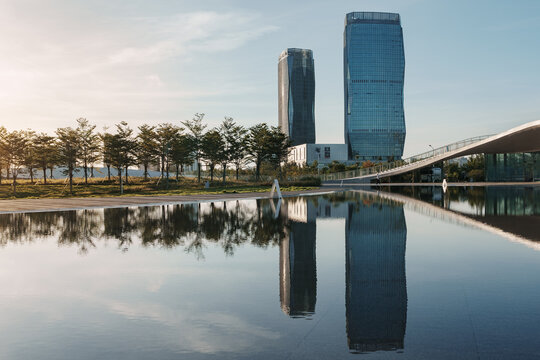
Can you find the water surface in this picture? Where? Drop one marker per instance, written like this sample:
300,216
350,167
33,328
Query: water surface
415,273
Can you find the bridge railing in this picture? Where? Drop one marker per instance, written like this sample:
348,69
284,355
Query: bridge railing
423,157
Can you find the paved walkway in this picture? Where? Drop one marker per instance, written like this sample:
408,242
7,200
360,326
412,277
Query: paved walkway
41,205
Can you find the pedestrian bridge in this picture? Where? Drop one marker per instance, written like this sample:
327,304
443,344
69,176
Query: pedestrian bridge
523,138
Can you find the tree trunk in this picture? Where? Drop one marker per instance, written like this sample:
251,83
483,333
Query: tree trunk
126,175
162,166
92,171
237,171
31,175
85,173
224,172
177,171
70,168
211,172
120,177
258,171
51,172
45,175
14,184
167,172
145,171
7,172
198,171
109,171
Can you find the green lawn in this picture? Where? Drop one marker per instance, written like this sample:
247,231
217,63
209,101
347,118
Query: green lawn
136,187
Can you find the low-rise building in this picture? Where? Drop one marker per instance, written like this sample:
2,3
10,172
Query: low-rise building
306,154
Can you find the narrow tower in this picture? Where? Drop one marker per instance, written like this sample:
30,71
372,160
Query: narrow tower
374,70
296,95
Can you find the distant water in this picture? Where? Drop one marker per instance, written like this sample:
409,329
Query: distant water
416,273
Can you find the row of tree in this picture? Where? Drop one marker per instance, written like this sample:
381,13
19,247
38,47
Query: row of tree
166,145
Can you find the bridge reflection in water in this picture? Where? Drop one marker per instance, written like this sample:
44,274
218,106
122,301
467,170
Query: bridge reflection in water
376,290
511,212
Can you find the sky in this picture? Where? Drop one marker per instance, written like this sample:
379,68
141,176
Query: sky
472,67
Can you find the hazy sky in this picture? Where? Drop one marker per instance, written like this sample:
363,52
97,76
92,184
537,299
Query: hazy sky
472,67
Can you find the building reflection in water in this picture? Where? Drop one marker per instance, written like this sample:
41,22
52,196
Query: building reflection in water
297,255
376,289
297,260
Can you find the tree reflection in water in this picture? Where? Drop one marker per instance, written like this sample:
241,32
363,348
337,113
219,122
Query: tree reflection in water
192,226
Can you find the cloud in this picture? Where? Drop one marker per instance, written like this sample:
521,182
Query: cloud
144,55
181,34
110,68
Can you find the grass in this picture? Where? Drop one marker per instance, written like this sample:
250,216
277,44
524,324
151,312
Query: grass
57,188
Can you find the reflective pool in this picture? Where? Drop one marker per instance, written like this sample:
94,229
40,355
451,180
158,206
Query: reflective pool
410,273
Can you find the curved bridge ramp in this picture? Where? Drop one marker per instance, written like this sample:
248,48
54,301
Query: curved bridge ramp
523,138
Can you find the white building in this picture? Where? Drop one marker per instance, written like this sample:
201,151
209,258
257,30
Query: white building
306,154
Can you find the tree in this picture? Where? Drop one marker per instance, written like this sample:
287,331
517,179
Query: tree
88,145
452,171
3,156
196,129
367,164
212,149
124,148
277,147
107,151
68,151
30,161
257,146
181,153
336,166
234,137
166,134
147,150
14,145
474,168
45,148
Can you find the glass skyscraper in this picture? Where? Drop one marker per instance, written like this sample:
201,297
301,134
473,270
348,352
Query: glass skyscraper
374,70
296,94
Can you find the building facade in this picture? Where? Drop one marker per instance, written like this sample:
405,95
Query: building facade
512,167
296,95
306,154
374,70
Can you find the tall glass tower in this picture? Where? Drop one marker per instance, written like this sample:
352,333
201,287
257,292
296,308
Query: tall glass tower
296,94
374,70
